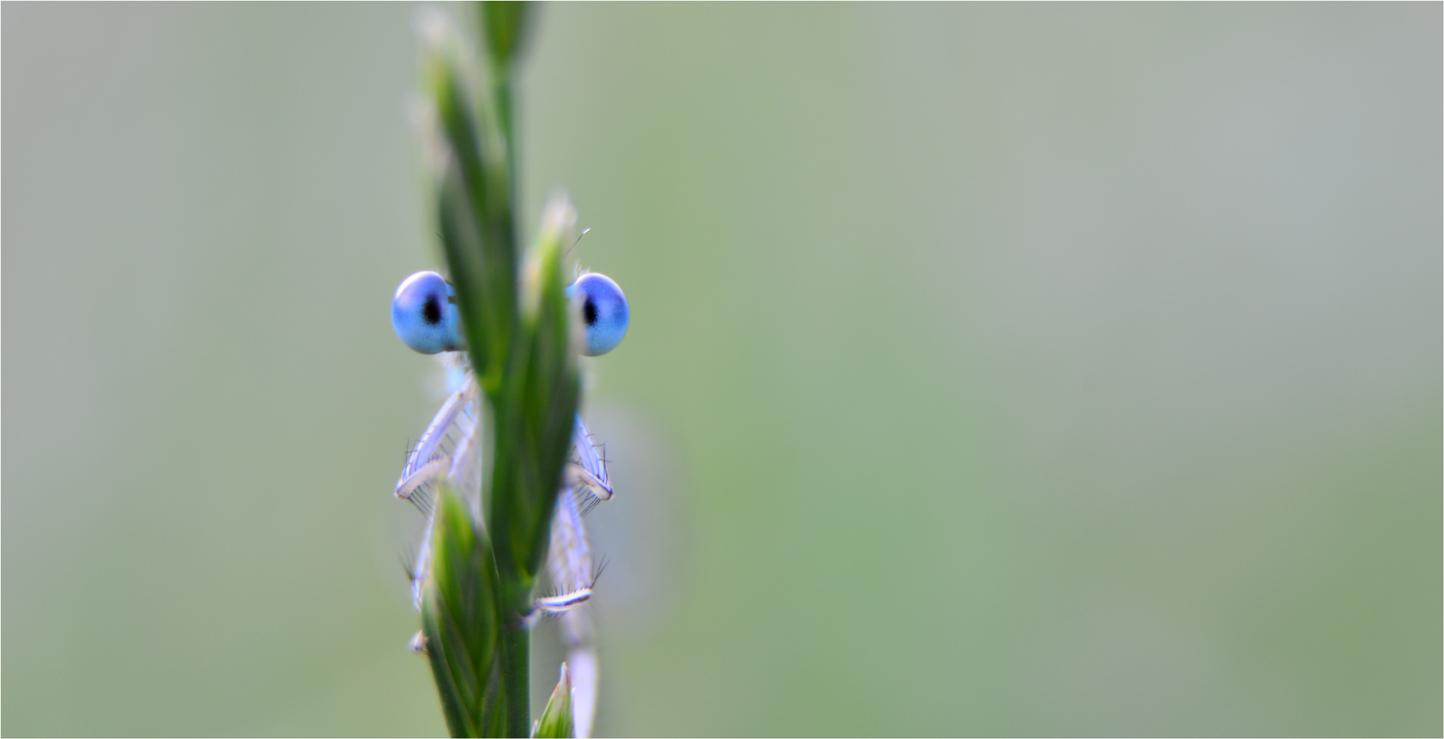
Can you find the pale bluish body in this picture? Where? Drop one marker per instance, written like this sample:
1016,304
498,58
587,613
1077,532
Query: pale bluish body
449,449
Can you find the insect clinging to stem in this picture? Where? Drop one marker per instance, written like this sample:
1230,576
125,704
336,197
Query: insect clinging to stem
425,317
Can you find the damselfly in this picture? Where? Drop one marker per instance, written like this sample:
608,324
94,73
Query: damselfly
425,317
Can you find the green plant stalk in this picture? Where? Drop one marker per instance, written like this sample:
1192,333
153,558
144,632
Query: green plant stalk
515,664
518,327
515,657
534,416
501,31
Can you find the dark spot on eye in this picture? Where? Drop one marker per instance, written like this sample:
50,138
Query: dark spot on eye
431,311
589,311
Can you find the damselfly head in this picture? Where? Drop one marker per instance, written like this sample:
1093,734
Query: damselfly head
425,317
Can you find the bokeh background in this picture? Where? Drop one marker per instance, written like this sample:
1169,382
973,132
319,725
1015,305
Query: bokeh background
994,369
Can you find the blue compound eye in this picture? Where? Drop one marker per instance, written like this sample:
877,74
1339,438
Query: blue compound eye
604,309
424,314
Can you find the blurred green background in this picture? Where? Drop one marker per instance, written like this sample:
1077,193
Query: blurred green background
994,369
